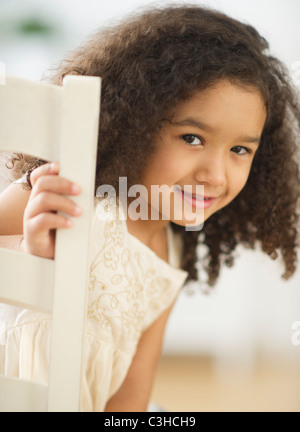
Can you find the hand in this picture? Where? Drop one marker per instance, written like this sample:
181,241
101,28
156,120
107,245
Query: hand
48,196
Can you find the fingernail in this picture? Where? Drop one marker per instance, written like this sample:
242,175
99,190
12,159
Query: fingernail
77,210
75,188
53,167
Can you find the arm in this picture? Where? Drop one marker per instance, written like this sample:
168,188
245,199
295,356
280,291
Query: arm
134,394
11,242
13,201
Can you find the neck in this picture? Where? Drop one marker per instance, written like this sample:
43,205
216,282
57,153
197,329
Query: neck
146,230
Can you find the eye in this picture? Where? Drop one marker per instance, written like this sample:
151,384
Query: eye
194,140
240,148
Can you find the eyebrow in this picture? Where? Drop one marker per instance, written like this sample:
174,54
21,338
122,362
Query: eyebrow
193,122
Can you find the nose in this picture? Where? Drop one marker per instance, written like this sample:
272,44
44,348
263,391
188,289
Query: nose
211,169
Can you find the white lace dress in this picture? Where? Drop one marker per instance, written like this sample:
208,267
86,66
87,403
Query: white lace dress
129,287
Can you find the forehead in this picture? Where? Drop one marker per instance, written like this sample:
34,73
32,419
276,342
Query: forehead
224,103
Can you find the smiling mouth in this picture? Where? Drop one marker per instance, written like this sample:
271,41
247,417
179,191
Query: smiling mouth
197,197
197,201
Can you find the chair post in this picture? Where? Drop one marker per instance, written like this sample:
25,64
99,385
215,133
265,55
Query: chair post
79,137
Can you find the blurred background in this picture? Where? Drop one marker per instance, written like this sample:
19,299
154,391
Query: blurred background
236,348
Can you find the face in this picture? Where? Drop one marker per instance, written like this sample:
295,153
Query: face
210,142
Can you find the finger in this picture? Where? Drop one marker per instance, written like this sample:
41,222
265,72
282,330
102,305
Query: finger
51,202
51,168
54,183
44,222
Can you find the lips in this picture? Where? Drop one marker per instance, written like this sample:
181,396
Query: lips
197,201
199,197
195,196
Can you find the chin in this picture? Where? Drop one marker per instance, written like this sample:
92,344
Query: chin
196,224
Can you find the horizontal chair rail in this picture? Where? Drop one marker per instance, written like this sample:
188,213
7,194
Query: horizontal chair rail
23,395
36,110
15,268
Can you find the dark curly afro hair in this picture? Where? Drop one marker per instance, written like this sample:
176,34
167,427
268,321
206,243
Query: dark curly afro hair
157,59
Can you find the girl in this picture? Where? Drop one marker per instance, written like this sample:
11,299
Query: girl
190,97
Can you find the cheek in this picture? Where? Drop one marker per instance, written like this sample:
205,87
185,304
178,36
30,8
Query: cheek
164,169
237,182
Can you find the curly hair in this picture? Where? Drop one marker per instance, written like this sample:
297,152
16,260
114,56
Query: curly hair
155,60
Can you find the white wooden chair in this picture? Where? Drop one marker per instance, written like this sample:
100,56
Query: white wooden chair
56,124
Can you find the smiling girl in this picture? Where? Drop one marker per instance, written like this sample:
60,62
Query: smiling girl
190,98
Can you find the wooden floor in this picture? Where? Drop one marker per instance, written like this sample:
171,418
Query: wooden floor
191,385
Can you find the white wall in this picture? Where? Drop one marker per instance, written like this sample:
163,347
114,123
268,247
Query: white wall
251,310
277,20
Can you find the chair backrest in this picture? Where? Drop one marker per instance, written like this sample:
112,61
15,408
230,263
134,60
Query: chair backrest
55,123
